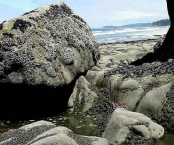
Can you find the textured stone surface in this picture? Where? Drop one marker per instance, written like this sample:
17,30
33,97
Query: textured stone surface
120,82
153,102
49,45
43,52
122,122
82,97
46,133
114,53
26,133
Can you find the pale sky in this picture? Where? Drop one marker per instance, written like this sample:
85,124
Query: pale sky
97,13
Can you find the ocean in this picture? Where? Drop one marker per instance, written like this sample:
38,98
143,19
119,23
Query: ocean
128,34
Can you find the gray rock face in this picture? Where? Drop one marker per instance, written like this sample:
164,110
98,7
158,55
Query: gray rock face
26,133
157,99
49,45
146,89
46,133
124,123
82,97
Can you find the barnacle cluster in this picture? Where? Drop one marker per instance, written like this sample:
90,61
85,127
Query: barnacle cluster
154,69
51,49
1,68
21,62
49,69
22,25
56,10
68,56
43,37
7,41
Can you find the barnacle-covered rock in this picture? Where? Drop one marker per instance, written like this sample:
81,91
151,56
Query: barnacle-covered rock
43,132
51,40
68,56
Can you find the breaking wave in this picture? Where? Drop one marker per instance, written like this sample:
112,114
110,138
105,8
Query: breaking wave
129,34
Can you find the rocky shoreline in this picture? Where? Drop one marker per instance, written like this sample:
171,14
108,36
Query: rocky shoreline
61,65
104,109
116,79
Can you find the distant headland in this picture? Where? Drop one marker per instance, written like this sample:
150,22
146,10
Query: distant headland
163,22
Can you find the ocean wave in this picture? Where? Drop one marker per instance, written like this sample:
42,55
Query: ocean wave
103,33
132,30
126,30
130,34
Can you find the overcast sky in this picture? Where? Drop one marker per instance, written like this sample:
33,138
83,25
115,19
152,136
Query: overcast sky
97,13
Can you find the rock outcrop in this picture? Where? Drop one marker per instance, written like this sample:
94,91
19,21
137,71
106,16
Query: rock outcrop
131,127
43,52
46,133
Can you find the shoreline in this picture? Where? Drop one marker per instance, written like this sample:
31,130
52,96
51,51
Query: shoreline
126,42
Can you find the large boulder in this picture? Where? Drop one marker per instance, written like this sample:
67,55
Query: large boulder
42,53
46,133
49,45
132,127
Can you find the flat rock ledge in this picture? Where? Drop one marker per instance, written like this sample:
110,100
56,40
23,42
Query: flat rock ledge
46,133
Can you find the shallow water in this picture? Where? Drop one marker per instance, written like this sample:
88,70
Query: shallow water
167,139
79,123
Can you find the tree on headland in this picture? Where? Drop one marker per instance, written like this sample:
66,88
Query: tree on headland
165,22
